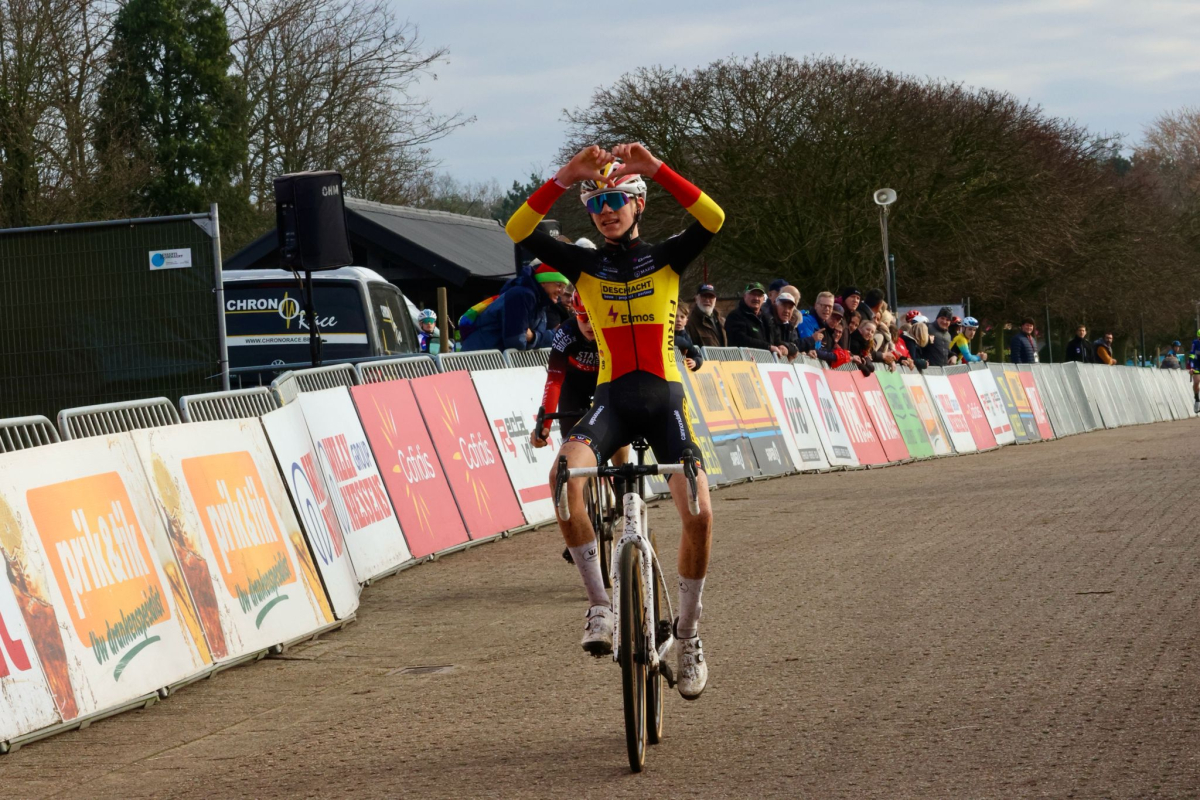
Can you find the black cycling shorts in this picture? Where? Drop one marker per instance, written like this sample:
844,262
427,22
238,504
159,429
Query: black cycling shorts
638,404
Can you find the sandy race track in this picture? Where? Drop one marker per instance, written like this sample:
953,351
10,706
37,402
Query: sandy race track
1021,623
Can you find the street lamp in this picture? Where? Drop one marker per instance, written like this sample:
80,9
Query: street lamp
884,198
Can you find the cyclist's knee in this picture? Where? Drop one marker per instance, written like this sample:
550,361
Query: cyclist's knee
577,455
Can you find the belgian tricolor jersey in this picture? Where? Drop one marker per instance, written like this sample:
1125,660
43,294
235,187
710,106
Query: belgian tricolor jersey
631,292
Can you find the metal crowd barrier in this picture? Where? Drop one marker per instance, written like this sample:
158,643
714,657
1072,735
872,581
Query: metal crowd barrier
723,354
476,359
234,404
394,369
22,433
101,420
528,358
759,356
290,384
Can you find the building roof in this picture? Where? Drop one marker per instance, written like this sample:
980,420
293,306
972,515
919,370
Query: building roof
409,243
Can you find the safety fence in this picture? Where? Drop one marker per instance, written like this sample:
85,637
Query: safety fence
144,552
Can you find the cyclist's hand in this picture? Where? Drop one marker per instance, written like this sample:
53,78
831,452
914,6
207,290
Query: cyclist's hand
637,158
585,165
691,364
539,442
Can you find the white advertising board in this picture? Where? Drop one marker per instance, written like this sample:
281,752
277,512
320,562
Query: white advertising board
305,482
993,406
922,398
510,399
25,701
786,396
94,576
220,495
830,428
368,521
953,416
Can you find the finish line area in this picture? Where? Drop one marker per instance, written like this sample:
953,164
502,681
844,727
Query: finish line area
1023,621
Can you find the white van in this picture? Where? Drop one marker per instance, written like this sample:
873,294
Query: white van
359,315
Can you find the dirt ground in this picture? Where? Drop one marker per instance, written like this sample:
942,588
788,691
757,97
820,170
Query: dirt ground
1022,623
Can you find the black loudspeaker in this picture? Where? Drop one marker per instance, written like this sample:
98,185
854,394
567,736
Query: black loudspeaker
310,220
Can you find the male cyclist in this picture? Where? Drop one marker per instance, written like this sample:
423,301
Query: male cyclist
960,345
631,289
1194,363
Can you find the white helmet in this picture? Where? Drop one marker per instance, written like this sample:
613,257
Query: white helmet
633,185
585,243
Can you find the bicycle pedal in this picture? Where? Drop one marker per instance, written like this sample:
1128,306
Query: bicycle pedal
567,556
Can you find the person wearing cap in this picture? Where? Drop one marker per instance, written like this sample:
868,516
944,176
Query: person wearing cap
778,321
705,326
851,299
516,319
1104,350
1080,349
960,345
1171,357
772,292
1023,345
937,351
745,327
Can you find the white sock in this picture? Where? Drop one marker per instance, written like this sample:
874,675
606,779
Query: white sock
587,559
689,606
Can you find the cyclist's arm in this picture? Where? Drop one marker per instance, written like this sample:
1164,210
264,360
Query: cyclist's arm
556,373
522,228
681,250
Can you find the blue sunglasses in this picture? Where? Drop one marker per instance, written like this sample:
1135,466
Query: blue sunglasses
614,200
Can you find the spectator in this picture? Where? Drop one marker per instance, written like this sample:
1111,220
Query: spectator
1104,353
850,300
916,339
850,323
559,312
960,345
777,319
744,326
692,357
872,304
516,319
816,319
429,332
1023,345
704,325
1171,357
830,351
937,351
772,293
861,350
1080,349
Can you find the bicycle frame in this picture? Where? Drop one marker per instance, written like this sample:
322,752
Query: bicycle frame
636,524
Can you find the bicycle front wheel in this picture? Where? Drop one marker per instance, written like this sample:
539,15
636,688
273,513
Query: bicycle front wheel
632,656
654,683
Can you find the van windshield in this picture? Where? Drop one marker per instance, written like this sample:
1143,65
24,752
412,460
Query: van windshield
265,322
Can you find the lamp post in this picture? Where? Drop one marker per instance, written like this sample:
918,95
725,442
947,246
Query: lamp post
884,198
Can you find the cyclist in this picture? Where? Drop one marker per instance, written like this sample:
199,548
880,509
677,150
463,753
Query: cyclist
631,289
571,372
1194,363
429,332
960,345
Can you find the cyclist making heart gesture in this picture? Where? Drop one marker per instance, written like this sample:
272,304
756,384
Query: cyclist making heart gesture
631,289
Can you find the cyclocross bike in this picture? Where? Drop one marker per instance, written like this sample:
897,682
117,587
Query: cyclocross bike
640,632
603,501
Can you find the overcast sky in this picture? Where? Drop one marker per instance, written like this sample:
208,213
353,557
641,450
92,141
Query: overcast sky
1112,66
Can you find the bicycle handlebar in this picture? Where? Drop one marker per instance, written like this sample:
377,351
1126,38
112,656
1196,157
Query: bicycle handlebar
687,468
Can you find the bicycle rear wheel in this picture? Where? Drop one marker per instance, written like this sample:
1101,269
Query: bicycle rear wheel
632,656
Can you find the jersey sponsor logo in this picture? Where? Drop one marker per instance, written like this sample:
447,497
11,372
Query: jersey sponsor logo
633,319
627,291
612,312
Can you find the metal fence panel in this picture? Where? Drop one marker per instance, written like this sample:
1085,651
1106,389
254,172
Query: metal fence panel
395,369
96,313
235,404
101,420
22,433
1072,377
476,359
758,356
723,354
528,358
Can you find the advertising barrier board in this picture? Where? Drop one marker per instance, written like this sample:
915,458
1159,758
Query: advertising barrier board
305,482
998,418
831,429
94,576
1009,404
369,525
510,399
1013,391
953,414
712,461
715,407
759,425
463,441
786,397
26,704
881,416
221,497
1037,409
411,472
923,403
978,420
867,446
904,412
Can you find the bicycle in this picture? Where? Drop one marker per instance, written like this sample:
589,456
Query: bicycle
603,505
639,626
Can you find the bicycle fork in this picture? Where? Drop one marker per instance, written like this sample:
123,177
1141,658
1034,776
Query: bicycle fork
636,522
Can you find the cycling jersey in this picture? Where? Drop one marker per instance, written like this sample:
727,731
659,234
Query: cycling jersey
570,374
631,292
1194,356
959,346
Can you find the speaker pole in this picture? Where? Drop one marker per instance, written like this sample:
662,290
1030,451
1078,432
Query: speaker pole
314,336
